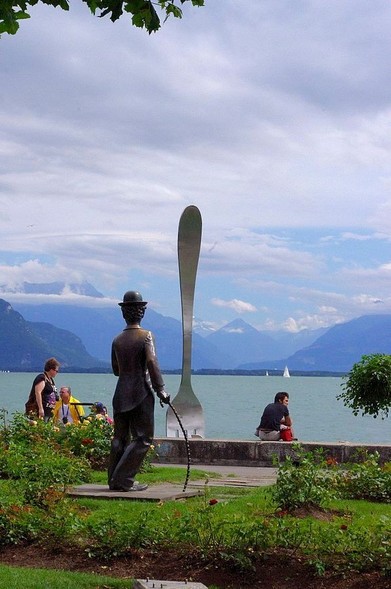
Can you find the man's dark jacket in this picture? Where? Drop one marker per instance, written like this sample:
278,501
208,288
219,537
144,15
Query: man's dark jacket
134,361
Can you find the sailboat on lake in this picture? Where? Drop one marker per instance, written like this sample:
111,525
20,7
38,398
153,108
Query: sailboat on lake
286,372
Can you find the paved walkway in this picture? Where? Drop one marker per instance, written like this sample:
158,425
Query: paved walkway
227,476
238,476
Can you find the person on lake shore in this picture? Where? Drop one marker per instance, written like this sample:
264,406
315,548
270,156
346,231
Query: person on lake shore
275,418
43,394
134,361
67,409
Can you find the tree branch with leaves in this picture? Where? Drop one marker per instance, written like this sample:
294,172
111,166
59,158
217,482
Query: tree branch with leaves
143,13
368,386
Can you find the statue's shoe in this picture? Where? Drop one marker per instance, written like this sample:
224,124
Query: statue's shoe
135,487
138,486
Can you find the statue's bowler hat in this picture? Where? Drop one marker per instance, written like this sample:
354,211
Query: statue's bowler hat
132,297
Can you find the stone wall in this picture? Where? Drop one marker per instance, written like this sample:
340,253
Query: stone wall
255,453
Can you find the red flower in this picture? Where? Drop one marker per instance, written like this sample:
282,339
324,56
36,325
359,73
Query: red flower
213,501
343,527
87,441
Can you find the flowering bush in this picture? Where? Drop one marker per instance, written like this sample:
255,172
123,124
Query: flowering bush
32,457
313,479
367,480
91,439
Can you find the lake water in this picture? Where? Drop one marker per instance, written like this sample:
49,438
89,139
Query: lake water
232,404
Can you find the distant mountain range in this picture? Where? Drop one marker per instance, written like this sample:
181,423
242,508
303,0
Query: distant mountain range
339,348
344,344
97,327
25,345
81,337
244,344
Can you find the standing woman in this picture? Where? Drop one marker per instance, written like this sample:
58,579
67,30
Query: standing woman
43,394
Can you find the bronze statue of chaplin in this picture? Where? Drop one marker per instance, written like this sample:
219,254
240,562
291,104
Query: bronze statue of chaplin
134,361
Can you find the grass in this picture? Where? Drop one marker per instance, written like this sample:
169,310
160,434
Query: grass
17,577
250,504
240,525
129,510
161,474
236,521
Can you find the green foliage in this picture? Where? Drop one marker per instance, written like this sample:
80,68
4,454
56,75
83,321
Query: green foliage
304,480
91,439
17,523
368,386
312,479
84,445
34,460
38,460
109,538
230,534
143,12
151,455
366,480
342,544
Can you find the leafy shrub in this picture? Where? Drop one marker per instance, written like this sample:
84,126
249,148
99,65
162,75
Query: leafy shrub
311,479
110,538
40,472
56,454
33,457
18,523
368,386
91,439
304,480
366,480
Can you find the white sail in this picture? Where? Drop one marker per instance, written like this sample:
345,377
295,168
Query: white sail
266,373
286,372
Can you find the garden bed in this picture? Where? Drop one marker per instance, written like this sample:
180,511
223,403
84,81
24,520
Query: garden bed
272,571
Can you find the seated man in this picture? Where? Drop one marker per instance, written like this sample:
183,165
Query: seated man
275,418
65,410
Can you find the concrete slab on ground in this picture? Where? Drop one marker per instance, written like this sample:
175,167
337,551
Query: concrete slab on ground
156,493
227,476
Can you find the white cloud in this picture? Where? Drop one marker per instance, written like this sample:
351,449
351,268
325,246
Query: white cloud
311,322
278,132
235,304
66,298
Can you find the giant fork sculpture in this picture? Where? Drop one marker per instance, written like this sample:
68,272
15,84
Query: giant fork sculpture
185,402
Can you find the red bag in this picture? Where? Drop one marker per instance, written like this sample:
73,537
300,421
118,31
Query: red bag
286,435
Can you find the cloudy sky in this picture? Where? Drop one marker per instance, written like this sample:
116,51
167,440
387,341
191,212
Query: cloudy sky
271,116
